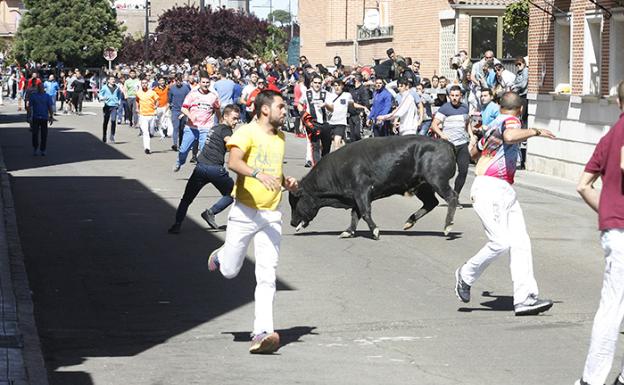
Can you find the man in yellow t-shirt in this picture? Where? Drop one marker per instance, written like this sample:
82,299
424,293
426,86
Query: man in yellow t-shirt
147,102
256,156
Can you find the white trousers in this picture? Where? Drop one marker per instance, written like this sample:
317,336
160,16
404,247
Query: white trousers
160,119
265,227
610,311
147,128
494,200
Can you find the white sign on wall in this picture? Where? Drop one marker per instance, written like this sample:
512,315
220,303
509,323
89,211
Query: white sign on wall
372,19
130,5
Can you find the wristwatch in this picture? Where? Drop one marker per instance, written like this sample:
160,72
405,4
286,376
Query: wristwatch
255,173
537,132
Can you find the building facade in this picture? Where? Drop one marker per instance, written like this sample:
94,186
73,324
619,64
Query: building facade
430,31
131,13
10,15
576,59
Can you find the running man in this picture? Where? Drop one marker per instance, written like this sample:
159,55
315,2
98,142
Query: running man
606,162
200,107
496,204
256,156
210,169
146,104
111,95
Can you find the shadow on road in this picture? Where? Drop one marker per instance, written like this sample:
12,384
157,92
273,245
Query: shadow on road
367,234
107,279
498,303
287,336
64,146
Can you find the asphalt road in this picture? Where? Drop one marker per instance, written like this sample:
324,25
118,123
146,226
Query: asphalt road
120,301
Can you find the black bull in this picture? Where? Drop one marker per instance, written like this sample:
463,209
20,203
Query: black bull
359,173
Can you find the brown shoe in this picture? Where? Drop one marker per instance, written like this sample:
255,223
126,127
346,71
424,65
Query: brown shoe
265,343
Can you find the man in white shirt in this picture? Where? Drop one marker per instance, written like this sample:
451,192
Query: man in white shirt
407,111
338,104
246,93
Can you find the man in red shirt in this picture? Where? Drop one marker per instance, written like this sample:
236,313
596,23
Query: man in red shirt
606,162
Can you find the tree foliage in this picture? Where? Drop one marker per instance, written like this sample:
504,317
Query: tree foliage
516,18
275,45
187,33
73,31
280,16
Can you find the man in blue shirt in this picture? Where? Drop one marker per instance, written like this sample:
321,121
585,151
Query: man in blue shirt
177,93
489,109
51,88
111,95
39,106
382,104
225,89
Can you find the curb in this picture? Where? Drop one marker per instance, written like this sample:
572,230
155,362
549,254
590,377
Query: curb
572,197
32,356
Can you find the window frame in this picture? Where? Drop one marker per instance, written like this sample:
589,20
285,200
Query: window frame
567,21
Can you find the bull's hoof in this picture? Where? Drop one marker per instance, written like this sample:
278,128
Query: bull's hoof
447,230
347,234
408,225
376,234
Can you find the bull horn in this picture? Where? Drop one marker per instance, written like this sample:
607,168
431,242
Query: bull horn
300,226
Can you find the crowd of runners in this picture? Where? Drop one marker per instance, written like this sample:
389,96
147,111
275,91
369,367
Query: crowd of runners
482,111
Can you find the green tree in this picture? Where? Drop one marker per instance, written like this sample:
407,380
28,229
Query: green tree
516,18
274,46
72,31
279,15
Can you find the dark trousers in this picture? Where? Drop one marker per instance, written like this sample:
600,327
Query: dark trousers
77,99
462,155
201,176
110,114
122,111
177,128
131,111
382,129
355,127
525,124
39,127
321,144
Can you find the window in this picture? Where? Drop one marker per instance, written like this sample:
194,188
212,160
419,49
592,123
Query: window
616,53
483,35
591,70
486,33
562,54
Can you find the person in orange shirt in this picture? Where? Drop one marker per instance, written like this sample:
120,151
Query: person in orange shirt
162,90
146,103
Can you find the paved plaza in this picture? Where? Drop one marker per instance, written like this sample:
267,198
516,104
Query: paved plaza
119,301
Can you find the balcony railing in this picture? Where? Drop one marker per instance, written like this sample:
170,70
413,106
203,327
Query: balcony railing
377,33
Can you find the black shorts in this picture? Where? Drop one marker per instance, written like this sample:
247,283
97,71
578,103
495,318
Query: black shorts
338,129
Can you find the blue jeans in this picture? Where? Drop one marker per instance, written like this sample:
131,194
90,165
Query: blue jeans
201,176
424,128
190,136
177,127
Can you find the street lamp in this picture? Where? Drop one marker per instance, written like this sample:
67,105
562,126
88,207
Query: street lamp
146,48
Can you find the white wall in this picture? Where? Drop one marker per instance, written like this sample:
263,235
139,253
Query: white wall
578,123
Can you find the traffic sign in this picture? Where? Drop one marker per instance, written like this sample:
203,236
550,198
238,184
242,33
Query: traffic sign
110,54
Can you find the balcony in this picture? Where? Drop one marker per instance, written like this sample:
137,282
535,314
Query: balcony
381,33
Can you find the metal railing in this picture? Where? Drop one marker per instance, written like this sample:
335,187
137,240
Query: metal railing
377,33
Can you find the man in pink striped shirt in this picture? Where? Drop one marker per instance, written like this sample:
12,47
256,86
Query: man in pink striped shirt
202,108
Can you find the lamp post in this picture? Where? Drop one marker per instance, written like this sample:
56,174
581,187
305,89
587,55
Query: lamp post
146,48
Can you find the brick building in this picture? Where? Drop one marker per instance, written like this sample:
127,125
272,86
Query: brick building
576,59
131,13
431,31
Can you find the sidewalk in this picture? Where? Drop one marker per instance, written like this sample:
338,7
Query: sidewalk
562,188
21,360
